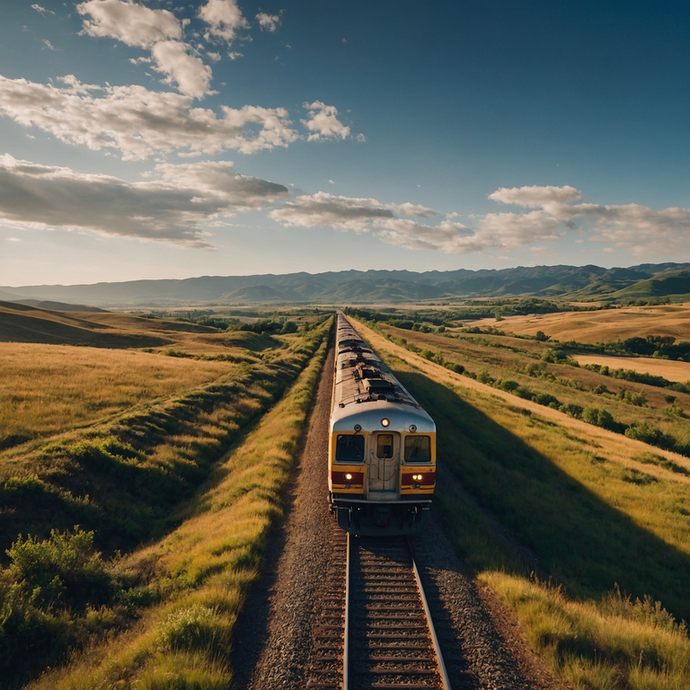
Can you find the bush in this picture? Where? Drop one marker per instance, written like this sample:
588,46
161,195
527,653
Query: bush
61,572
484,377
546,399
572,410
599,417
507,385
642,431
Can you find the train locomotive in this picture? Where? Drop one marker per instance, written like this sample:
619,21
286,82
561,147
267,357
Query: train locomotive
382,444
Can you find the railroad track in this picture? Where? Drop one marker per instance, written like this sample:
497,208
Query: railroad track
374,628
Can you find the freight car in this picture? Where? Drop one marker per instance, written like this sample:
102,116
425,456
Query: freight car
382,444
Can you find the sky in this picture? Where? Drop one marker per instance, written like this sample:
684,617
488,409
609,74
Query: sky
156,139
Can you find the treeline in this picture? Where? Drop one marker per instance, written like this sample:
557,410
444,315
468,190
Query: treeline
474,309
639,377
657,346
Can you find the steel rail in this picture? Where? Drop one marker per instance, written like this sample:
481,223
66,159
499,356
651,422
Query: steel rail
346,640
442,671
437,648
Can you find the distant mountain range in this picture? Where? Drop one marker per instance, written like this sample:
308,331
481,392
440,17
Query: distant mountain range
370,287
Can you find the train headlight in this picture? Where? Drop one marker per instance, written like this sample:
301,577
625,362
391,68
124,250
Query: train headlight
358,428
417,477
413,428
348,477
385,422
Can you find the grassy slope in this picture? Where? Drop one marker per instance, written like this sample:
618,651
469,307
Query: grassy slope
196,578
590,516
601,326
48,389
124,476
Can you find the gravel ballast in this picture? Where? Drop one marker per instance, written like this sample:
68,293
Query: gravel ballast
480,639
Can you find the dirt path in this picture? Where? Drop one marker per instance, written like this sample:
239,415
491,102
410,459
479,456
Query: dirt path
273,640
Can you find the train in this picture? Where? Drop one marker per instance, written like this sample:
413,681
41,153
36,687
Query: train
381,446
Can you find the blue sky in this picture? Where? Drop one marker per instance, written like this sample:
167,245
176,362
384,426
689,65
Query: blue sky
153,139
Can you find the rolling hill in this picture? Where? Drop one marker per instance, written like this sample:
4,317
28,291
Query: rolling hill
371,287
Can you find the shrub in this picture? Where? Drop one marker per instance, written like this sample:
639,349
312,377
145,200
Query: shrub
507,385
63,571
642,431
484,377
571,409
545,399
599,417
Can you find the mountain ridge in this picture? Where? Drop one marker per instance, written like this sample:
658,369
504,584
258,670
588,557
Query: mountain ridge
371,286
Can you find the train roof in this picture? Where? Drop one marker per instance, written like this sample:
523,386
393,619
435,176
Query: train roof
365,390
369,415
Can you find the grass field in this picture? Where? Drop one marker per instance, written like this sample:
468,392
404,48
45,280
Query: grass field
122,442
168,442
601,326
190,586
47,389
602,517
669,369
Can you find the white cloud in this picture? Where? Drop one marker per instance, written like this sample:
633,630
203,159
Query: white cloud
414,210
534,197
269,22
323,123
41,10
192,76
323,209
550,216
641,229
138,122
168,209
48,44
129,22
369,215
156,30
224,19
637,228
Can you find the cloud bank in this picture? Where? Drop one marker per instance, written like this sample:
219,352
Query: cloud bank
170,208
138,122
551,213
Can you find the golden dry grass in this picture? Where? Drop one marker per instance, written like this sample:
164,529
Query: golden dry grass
669,526
46,389
601,326
669,369
588,643
203,569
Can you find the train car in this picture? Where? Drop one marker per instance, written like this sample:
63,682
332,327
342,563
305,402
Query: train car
382,444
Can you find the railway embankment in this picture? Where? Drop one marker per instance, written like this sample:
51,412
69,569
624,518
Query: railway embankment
169,606
581,531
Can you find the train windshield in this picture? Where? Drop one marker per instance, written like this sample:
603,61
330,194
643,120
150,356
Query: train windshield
417,449
349,448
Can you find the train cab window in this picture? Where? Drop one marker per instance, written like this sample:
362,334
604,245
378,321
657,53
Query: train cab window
349,448
417,449
384,446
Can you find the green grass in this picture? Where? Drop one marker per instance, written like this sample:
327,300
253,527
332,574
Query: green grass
189,587
537,497
610,644
126,482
